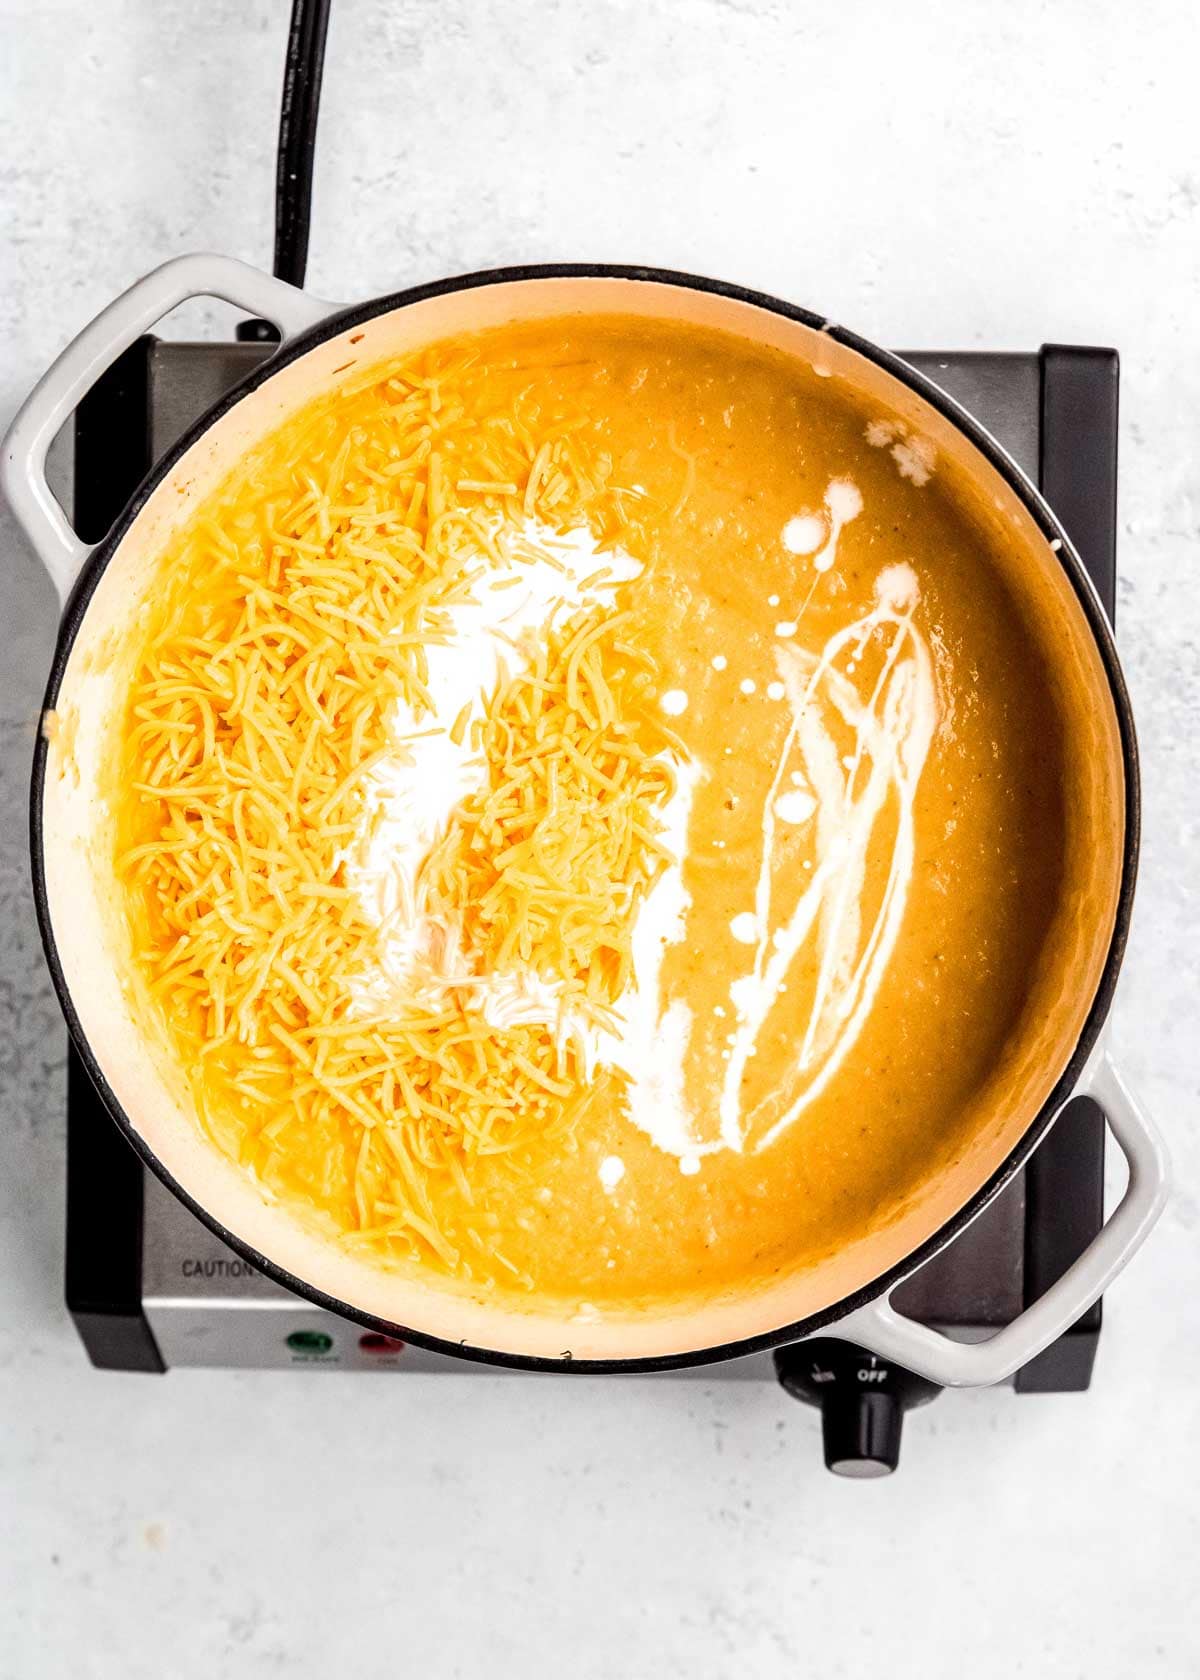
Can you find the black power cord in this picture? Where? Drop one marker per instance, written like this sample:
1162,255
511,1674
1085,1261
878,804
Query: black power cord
298,137
303,69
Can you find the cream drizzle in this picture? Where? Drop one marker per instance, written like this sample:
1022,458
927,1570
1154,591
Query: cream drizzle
843,795
542,577
651,1044
843,502
892,730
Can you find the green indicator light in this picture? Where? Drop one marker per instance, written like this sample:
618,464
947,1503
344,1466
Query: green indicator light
309,1341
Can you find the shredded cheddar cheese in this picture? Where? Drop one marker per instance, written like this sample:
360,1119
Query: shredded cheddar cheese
305,606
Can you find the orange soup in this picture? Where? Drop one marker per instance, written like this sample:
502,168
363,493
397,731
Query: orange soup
589,811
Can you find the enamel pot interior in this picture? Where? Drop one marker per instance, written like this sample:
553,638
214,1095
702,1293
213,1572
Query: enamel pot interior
89,947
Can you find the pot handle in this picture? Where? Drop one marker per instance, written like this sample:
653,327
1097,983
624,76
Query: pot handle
880,1329
58,392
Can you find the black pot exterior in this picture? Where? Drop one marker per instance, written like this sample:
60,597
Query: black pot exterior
1042,517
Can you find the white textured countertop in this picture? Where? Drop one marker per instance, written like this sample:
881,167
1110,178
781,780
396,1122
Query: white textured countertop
963,176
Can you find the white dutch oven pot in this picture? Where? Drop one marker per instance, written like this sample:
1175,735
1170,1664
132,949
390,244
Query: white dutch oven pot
1061,1052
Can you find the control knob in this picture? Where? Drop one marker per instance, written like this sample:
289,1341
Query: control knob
862,1397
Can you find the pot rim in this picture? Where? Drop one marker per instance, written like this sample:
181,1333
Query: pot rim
1045,520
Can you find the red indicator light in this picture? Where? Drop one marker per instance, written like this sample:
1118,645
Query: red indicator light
372,1342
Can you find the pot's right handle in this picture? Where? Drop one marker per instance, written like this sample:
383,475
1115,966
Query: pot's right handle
880,1329
23,453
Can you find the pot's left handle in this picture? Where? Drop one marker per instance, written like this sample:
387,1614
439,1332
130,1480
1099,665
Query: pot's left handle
23,453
